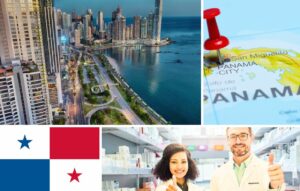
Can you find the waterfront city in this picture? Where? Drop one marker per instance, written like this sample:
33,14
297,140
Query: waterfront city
62,67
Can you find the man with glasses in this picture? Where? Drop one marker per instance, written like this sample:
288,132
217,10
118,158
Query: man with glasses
245,171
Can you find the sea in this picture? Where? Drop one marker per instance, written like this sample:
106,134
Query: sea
167,78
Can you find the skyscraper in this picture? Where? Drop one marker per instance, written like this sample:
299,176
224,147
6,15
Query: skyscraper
51,49
77,37
116,14
144,28
150,27
50,36
118,25
127,33
122,29
137,27
6,50
100,21
31,93
91,20
9,111
101,25
86,27
59,18
109,31
21,38
131,32
158,19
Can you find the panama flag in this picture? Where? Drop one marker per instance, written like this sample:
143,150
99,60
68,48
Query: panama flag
40,158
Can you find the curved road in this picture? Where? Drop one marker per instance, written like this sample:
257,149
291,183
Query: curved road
125,108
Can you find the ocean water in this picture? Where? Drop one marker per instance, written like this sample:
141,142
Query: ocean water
167,78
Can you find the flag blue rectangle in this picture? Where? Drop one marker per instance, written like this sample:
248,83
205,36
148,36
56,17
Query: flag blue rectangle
27,175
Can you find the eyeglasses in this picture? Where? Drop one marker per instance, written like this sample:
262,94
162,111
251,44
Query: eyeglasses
242,137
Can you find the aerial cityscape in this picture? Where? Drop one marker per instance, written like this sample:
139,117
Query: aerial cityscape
73,68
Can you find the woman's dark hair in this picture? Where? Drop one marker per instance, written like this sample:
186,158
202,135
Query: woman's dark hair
162,168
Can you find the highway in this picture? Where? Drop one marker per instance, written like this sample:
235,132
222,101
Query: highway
75,99
115,94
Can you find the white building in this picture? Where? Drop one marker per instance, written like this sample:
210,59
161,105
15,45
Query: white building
22,39
9,111
158,19
31,93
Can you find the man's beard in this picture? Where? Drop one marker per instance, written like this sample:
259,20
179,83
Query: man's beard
239,150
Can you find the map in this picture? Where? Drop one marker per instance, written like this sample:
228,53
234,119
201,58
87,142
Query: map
259,82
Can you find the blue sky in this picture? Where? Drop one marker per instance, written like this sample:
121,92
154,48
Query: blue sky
131,7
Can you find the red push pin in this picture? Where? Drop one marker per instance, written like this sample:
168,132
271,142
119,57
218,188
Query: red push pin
215,41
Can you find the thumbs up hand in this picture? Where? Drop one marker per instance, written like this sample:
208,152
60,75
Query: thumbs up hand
275,173
173,186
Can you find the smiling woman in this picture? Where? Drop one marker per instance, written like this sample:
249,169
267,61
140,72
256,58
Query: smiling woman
176,169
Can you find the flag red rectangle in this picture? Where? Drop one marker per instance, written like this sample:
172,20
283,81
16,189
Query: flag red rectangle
74,143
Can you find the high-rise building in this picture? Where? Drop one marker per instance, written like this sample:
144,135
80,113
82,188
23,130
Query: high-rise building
91,21
66,29
127,33
150,27
59,18
86,27
131,32
59,26
115,30
54,89
23,37
74,16
137,27
6,50
77,34
122,29
100,21
31,93
144,30
9,111
50,36
101,25
90,33
116,14
109,31
158,19
51,46
118,25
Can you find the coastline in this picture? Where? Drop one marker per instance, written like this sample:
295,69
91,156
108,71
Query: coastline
114,64
120,80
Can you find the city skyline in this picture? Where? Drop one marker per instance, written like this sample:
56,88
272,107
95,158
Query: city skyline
53,69
172,8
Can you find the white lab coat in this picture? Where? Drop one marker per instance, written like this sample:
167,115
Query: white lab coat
163,186
255,178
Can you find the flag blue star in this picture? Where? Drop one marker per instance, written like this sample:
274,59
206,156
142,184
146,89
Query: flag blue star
25,142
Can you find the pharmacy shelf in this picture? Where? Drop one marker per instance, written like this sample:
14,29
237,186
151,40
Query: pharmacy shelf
278,140
210,154
290,168
127,171
168,133
132,135
260,131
